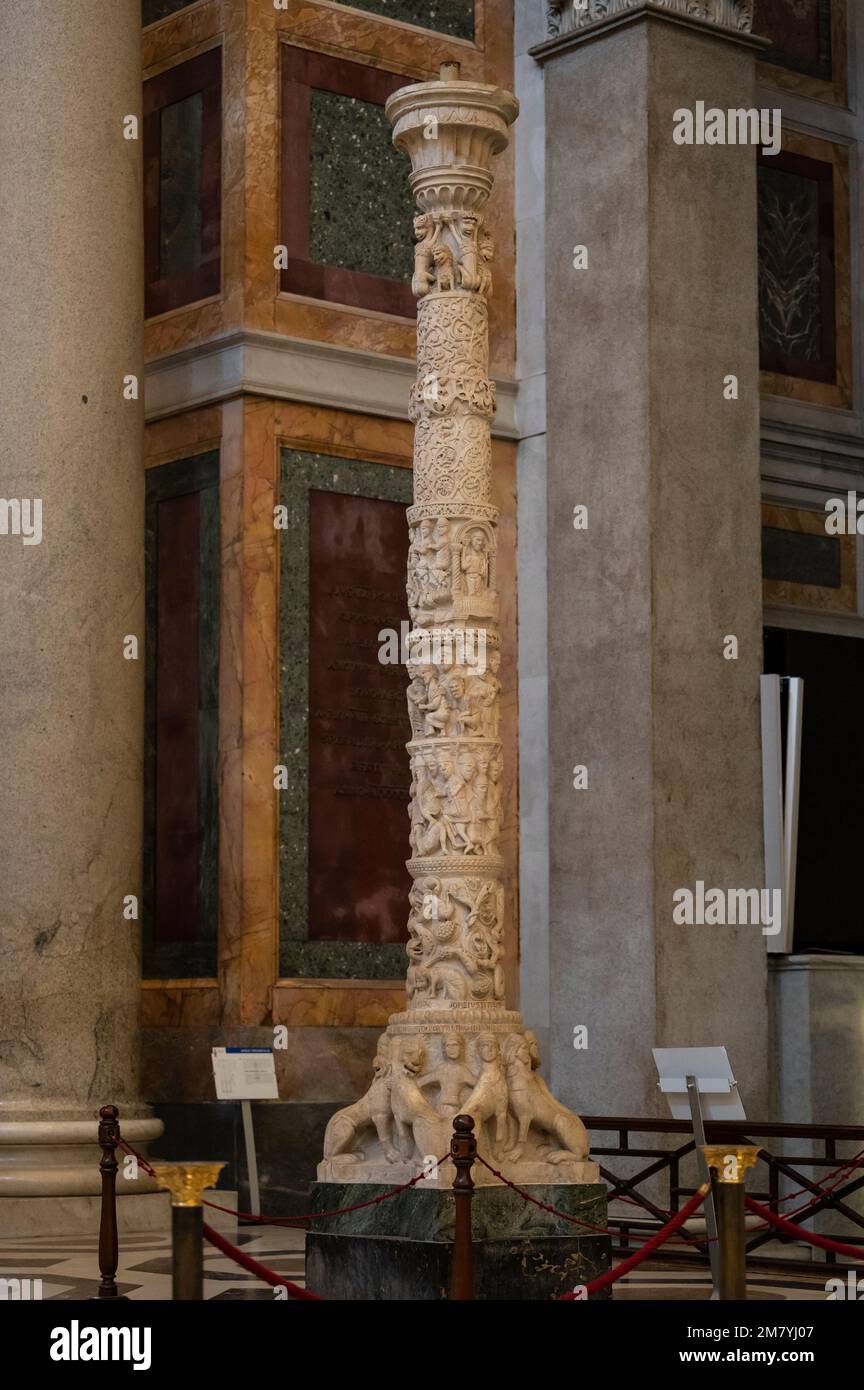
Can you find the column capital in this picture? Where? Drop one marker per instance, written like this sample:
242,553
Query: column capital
450,130
572,22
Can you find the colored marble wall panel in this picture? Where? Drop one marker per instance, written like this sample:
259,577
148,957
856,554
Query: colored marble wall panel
180,902
800,34
346,215
360,208
358,777
796,267
183,183
799,558
454,17
180,148
357,938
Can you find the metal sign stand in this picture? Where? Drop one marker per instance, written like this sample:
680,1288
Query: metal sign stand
251,1156
710,1214
699,1084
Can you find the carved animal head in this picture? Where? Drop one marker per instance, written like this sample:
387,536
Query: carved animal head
533,1048
412,1055
381,1064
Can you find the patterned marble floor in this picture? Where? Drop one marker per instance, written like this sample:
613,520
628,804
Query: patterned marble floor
68,1268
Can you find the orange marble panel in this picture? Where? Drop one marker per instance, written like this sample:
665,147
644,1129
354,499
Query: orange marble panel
784,593
192,323
181,436
363,37
180,1003
182,35
345,434
337,1003
349,327
262,152
249,720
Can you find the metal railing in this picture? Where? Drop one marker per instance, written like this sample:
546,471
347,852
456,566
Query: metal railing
666,1164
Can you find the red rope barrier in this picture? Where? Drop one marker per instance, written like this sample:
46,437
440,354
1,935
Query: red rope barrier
133,1153
789,1228
624,1267
260,1271
565,1216
318,1215
290,1220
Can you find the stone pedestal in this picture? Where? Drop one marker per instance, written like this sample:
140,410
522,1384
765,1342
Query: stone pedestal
71,716
401,1249
651,306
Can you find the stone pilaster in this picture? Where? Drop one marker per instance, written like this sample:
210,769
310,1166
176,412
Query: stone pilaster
651,305
456,1048
71,710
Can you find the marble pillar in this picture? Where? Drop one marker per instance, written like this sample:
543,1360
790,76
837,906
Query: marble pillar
457,1047
655,643
71,715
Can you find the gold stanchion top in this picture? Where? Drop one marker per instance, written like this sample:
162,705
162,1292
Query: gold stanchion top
186,1181
730,1161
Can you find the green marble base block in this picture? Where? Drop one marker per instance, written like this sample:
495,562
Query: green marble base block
401,1248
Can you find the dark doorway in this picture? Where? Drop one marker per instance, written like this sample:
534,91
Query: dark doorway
828,904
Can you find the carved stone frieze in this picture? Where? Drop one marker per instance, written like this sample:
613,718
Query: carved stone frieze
565,16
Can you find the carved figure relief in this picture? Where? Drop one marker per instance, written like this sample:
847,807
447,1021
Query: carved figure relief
533,1104
418,1126
453,251
454,940
452,1076
346,1128
489,1099
456,799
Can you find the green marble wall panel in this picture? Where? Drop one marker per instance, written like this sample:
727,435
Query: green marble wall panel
299,955
454,17
361,211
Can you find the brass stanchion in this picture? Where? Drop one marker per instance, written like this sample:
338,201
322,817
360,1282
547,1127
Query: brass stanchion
186,1182
108,1139
463,1151
730,1162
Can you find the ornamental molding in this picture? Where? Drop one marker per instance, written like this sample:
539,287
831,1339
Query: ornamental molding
569,16
255,363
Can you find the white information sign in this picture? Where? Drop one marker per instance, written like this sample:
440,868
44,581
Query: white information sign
244,1073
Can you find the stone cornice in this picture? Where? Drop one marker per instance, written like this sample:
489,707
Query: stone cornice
245,362
591,25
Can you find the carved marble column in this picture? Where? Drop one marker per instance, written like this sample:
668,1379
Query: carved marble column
456,1047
